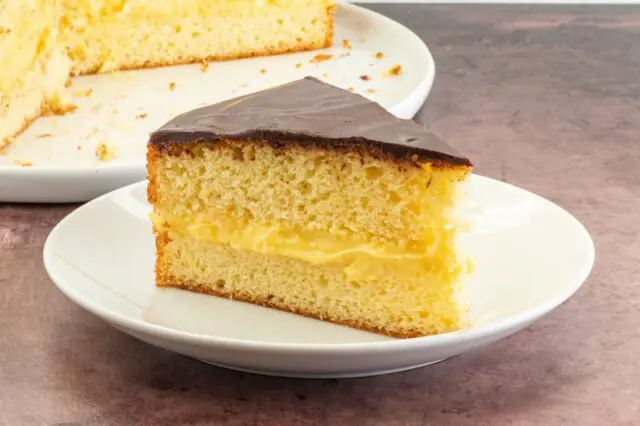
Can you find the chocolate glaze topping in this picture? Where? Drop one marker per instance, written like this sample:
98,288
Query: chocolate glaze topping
309,112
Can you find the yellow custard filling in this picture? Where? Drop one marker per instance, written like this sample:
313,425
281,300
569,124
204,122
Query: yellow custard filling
359,260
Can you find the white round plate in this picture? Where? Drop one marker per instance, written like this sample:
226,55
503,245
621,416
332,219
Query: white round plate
125,106
530,256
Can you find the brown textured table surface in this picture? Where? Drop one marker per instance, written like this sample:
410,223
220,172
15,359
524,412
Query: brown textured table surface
547,98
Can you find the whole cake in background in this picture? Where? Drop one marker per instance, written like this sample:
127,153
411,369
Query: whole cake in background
44,42
313,200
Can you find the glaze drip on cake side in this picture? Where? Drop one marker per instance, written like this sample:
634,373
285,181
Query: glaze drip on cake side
310,112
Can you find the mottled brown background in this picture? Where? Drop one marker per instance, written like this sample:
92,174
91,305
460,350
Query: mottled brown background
544,97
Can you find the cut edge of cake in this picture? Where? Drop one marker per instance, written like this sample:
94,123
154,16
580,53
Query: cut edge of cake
173,140
301,45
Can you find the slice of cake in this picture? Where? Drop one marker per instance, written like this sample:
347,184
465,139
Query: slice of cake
42,42
313,200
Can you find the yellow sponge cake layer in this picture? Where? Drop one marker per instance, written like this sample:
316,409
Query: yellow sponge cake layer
111,35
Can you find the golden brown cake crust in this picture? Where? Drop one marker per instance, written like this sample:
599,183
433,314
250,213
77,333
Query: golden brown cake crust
169,281
51,108
152,155
217,58
328,42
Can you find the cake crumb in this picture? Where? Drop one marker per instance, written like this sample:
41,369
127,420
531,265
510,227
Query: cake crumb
45,135
68,84
351,89
5,143
172,85
141,116
79,148
321,57
395,70
379,55
23,163
244,85
344,55
103,152
325,74
58,108
83,93
204,66
263,71
371,90
346,44
298,65
365,77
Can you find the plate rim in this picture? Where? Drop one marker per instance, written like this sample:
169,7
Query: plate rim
494,328
421,91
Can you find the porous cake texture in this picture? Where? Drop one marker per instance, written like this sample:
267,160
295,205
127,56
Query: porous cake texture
43,42
113,35
313,200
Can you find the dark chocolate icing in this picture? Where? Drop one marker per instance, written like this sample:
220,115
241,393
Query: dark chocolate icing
309,112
